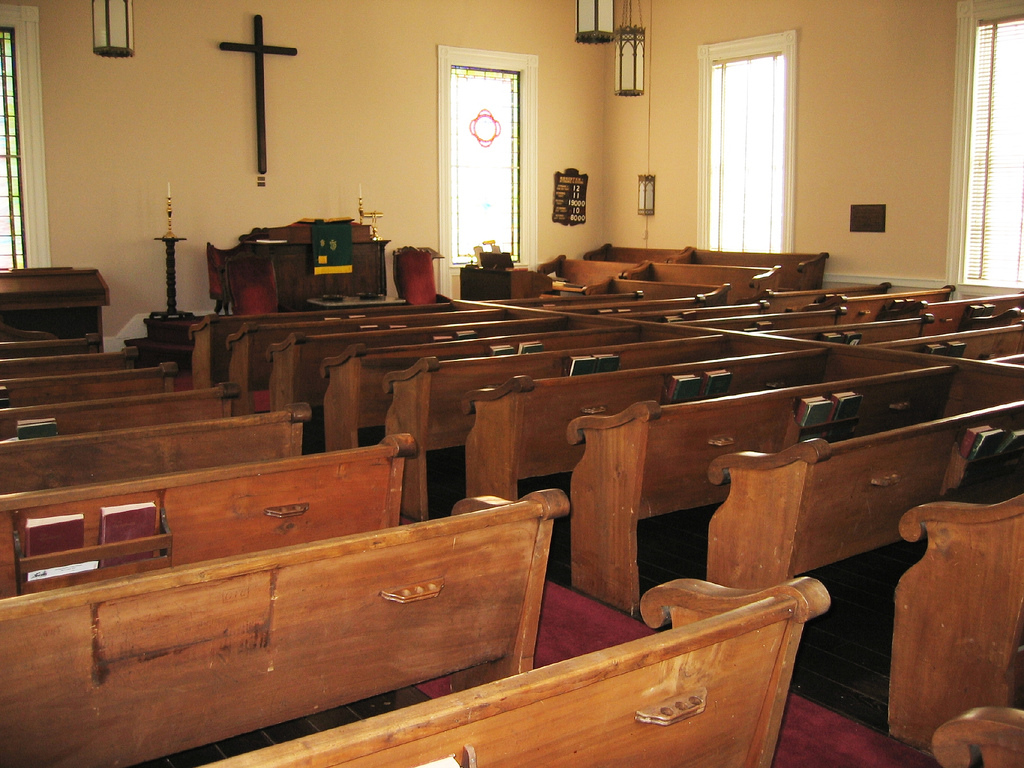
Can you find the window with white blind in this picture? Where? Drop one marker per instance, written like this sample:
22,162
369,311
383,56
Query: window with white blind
987,222
24,229
747,114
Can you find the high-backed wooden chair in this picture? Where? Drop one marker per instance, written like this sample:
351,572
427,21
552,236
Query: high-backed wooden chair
251,284
414,275
216,258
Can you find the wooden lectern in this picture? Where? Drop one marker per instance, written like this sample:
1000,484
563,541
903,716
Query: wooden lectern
290,249
63,301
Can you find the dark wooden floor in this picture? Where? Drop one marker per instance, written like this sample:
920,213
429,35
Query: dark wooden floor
842,664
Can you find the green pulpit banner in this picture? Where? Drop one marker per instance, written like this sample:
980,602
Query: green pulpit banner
332,247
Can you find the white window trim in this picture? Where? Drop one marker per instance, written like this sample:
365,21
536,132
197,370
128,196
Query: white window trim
527,66
36,221
708,55
968,13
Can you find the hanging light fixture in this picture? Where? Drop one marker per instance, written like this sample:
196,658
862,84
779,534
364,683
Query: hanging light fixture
113,32
594,22
629,52
645,206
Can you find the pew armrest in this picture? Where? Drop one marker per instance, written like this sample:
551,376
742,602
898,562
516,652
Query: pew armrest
515,384
355,350
983,729
914,523
809,451
644,411
423,365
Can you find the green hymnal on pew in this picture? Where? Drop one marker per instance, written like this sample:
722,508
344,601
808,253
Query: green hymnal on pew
716,382
979,442
845,405
529,347
683,386
502,349
580,365
812,411
607,362
29,428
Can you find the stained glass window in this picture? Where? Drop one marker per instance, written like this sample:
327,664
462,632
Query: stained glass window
12,236
485,161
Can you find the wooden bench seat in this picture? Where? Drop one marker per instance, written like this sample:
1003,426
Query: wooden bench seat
249,364
54,365
88,344
218,511
650,460
120,412
118,454
518,424
871,332
727,659
762,321
982,344
210,333
582,301
583,273
784,514
427,397
660,289
35,390
130,669
959,611
995,734
745,282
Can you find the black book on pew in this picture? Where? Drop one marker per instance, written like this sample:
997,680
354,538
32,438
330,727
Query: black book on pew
5,398
607,362
529,347
29,428
500,350
682,386
812,411
845,405
956,348
831,337
580,365
716,382
852,338
465,334
935,349
1013,440
979,442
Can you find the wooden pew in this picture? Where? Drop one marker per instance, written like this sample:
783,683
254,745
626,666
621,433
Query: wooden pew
800,271
872,332
746,282
299,369
995,734
982,344
890,306
582,273
650,460
517,426
129,669
119,454
132,411
55,365
427,397
216,512
659,289
35,390
782,515
10,333
583,302
792,301
959,616
88,344
969,314
209,335
249,363
724,667
761,321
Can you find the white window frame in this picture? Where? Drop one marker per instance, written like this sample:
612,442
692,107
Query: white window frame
527,67
708,55
969,13
35,216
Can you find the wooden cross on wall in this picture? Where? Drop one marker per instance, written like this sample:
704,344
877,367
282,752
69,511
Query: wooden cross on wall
259,49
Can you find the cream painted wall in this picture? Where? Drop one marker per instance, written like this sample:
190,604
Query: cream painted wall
357,105
874,125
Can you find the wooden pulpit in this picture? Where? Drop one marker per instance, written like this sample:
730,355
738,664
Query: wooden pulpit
64,301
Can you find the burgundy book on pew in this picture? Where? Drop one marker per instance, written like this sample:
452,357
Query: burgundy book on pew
124,522
47,535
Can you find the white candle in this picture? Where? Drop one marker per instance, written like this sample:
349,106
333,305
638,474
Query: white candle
168,189
360,190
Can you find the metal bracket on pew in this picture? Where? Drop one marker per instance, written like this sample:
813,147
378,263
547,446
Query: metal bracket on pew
414,592
675,709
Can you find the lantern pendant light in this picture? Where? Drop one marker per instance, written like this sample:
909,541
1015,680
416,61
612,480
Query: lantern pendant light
113,31
594,21
645,205
629,53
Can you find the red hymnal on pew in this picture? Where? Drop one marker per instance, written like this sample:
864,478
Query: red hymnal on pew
125,522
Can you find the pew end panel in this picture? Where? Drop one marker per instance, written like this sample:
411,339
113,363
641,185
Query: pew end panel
147,662
723,678
971,575
993,734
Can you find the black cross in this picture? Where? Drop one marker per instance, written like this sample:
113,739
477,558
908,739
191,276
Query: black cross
259,49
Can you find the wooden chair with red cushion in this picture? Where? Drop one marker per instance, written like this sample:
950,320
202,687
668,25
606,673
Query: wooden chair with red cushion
414,275
251,284
216,258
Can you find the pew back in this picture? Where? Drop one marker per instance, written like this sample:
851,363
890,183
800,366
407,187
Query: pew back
130,669
799,271
135,411
54,365
218,511
117,454
609,707
35,390
746,282
982,344
88,344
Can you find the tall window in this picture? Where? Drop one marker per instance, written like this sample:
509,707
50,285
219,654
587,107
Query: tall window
487,174
24,229
987,224
484,161
746,143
